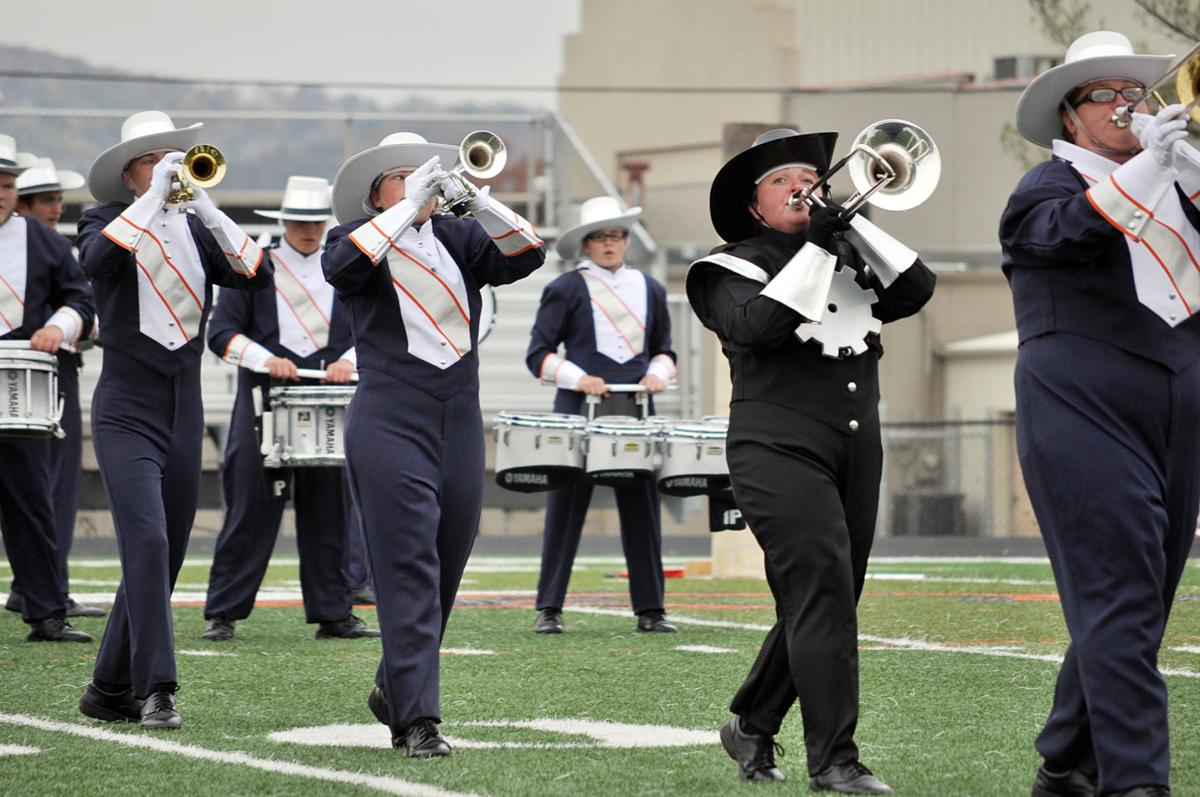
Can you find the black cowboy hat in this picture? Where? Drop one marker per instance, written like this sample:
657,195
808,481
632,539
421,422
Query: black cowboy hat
733,187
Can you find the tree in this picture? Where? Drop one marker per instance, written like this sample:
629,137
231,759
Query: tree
1174,17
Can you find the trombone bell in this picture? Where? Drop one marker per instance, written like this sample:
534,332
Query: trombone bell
899,169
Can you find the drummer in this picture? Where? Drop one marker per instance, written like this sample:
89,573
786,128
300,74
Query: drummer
44,299
614,323
299,325
40,198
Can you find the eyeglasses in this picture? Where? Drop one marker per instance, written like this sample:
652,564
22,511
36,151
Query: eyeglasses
1104,96
601,237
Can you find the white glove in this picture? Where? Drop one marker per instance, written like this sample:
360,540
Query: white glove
452,190
205,210
422,184
1161,134
166,171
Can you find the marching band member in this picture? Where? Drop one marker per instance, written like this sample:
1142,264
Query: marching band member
1100,246
40,197
44,299
804,447
299,325
153,267
616,328
414,432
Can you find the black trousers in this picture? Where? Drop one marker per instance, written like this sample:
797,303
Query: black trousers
810,494
27,525
1107,443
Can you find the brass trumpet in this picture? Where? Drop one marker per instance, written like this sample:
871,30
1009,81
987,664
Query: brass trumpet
203,165
481,154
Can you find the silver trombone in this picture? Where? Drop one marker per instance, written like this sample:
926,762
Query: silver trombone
1185,72
481,155
893,164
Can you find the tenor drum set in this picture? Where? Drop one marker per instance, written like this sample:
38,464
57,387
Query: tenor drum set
538,451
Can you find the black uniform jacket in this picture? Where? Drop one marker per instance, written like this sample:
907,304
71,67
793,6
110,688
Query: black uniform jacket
767,361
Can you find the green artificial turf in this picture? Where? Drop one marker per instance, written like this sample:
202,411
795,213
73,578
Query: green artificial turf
933,723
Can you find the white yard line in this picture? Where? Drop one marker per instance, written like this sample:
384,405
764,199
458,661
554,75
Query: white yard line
1187,648
380,783
703,649
1005,652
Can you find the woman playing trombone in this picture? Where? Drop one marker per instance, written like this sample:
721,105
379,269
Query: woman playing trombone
804,446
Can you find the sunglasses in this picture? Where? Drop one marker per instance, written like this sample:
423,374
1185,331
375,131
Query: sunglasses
1103,96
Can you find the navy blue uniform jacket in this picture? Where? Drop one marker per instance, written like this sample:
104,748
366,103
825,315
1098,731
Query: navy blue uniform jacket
1070,271
53,279
380,340
113,272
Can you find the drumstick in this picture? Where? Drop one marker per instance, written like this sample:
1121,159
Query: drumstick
303,373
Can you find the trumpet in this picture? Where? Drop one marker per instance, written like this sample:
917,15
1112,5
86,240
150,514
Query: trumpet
481,154
204,166
1185,71
893,164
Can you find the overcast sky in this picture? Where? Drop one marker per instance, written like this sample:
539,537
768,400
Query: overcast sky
402,41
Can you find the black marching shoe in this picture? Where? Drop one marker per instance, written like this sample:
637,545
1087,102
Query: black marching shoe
55,629
349,627
549,621
377,702
110,706
15,602
159,712
1069,783
219,629
655,622
849,777
364,596
1144,791
422,740
754,753
83,610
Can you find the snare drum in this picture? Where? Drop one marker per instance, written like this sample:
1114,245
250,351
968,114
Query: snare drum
304,427
29,392
620,450
693,458
537,451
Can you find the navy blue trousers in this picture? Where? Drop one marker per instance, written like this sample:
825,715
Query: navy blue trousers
27,523
1107,444
147,429
252,518
356,569
641,533
66,457
416,471
810,495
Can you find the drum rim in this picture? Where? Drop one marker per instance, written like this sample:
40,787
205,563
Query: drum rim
540,420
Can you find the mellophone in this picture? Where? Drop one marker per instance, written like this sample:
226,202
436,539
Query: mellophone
32,406
303,426
537,451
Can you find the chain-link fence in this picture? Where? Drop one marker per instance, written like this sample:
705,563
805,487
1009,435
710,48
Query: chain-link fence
953,478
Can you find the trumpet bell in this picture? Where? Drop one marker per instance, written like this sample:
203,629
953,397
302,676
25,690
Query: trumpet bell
900,165
204,165
482,154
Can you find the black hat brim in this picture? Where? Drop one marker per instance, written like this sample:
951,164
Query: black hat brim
732,188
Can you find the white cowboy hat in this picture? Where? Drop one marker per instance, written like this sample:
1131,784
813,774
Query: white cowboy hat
42,176
1098,55
352,185
304,199
596,213
11,161
144,132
